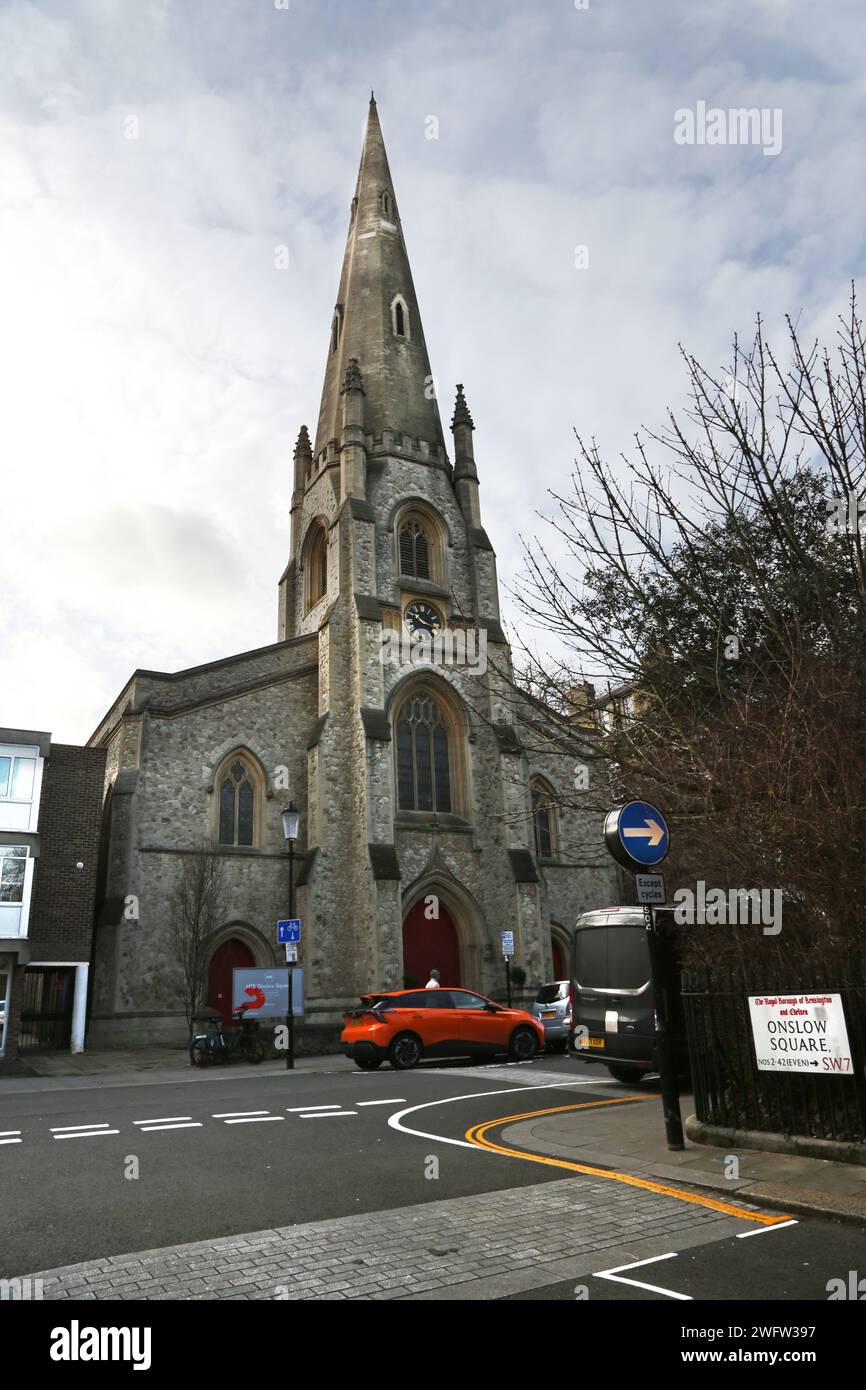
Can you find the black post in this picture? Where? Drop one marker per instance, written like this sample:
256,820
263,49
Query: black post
290,1054
508,978
659,975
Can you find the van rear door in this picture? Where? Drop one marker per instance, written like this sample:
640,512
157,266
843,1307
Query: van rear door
612,990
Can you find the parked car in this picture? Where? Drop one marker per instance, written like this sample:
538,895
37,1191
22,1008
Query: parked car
552,1008
612,994
406,1025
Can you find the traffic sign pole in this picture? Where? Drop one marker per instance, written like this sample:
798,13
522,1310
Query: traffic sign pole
637,836
670,1087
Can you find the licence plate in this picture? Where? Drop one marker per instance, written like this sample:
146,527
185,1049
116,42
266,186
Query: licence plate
593,1042
552,1014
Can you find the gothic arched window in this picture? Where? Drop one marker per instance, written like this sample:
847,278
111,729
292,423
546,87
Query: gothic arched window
423,756
315,566
414,550
237,803
399,317
543,818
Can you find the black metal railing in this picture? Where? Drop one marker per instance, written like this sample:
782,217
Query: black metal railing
731,1091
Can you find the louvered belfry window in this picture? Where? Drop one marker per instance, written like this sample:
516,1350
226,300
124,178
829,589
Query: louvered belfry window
414,551
236,806
423,765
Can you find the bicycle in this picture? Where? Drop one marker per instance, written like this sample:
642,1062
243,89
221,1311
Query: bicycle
219,1045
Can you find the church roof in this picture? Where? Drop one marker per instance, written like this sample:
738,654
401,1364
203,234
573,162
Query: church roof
376,299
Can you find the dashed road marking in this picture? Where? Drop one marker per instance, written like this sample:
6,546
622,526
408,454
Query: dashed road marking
163,1120
328,1114
148,1129
87,1134
63,1129
238,1114
777,1227
301,1109
398,1100
7,1136
253,1119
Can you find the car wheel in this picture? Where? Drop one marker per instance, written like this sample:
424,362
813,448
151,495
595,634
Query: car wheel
559,1045
404,1052
523,1045
629,1076
368,1063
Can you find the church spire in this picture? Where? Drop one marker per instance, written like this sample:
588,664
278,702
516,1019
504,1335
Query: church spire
376,318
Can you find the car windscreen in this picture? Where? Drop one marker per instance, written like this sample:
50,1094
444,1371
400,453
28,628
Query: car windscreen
551,994
611,957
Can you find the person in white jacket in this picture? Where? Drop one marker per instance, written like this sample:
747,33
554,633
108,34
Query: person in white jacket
433,982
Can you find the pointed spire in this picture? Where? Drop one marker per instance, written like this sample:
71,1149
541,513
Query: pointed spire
303,447
377,320
461,410
353,380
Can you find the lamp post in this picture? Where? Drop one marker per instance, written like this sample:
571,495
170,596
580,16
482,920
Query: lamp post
291,820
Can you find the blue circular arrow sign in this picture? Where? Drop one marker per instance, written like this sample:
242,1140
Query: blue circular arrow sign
637,833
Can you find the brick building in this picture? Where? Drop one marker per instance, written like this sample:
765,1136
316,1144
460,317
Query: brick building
432,813
50,811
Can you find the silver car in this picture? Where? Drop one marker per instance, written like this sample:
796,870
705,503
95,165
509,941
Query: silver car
553,1008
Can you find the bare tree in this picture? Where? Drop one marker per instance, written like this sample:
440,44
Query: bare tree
197,907
720,579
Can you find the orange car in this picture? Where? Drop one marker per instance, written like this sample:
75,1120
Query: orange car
406,1025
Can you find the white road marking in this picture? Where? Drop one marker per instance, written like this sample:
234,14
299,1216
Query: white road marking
4,1132
237,1114
148,1129
255,1119
163,1120
10,1141
328,1114
300,1109
61,1129
615,1277
394,1121
397,1100
762,1230
88,1134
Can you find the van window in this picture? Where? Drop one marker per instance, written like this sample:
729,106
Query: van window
611,957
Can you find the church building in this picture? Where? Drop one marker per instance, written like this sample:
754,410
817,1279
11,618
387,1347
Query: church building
432,815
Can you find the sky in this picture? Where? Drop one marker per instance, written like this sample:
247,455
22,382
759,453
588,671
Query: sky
159,165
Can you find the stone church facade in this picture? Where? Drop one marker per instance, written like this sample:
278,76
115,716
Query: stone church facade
431,814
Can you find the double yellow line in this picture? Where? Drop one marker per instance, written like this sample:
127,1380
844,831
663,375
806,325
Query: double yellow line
477,1135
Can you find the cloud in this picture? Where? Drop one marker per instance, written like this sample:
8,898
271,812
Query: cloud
156,364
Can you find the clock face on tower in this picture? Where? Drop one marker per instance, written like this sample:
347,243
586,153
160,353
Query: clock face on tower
422,617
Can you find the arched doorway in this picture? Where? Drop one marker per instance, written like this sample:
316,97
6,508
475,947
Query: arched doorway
228,955
430,943
560,968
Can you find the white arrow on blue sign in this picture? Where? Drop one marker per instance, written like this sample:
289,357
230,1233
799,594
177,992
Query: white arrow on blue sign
637,833
289,930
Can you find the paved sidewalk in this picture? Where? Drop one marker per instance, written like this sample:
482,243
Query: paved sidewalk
143,1066
481,1247
631,1139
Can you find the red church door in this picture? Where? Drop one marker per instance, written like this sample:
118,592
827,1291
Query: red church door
225,958
430,943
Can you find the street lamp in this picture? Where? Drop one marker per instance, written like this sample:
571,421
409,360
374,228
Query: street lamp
291,821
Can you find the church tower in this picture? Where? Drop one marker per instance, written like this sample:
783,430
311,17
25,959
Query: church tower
417,796
434,811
